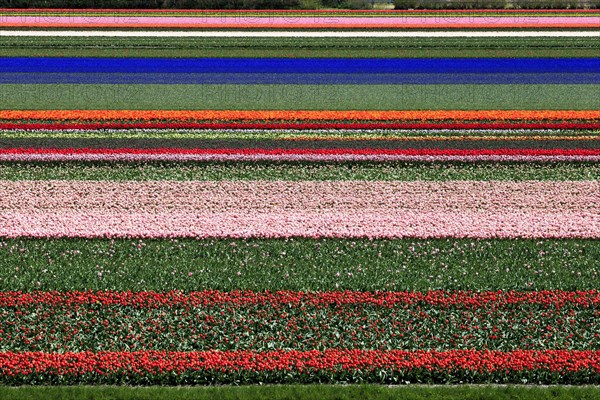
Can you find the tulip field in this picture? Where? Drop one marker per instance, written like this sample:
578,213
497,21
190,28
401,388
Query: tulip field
282,197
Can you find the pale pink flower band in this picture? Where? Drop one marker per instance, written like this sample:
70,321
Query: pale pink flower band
396,209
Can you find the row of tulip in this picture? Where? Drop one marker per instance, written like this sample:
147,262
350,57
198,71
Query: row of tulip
354,120
297,171
300,115
218,69
296,155
305,209
590,20
298,264
279,366
484,301
250,145
312,134
304,125
112,321
93,12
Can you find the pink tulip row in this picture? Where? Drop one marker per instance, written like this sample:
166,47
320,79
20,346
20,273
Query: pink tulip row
539,209
241,21
314,157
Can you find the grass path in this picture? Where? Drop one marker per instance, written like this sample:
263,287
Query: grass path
300,392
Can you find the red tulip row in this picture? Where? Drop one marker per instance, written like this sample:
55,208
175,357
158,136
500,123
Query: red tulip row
62,116
301,125
154,367
439,298
176,321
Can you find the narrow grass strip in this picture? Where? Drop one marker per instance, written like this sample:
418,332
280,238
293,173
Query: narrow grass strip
298,264
304,392
301,34
342,209
299,171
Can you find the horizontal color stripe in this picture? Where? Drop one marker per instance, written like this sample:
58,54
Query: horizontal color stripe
322,25
239,21
312,134
307,209
252,144
299,97
296,47
301,66
242,20
280,366
328,155
396,265
154,33
301,125
269,115
307,157
458,299
143,320
223,151
300,78
219,12
290,171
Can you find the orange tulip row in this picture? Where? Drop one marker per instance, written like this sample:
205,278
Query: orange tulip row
300,115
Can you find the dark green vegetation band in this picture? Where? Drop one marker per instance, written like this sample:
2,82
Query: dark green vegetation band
297,47
289,134
300,97
63,143
298,264
299,171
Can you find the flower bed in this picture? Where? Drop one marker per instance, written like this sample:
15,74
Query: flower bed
299,197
